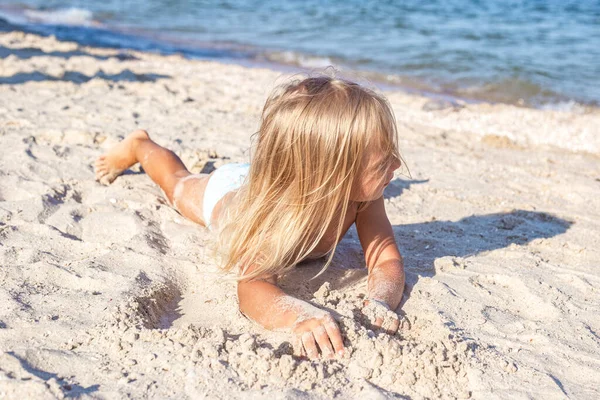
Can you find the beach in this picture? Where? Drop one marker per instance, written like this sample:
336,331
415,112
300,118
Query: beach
107,292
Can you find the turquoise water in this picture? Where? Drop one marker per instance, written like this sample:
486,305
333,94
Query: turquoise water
535,53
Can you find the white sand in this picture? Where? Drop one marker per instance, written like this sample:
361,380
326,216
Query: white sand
106,292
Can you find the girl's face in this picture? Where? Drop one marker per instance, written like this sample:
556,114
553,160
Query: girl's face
377,173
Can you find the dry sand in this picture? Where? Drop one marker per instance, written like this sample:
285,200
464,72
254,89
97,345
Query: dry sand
106,292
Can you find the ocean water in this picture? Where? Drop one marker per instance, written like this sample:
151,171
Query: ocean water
531,52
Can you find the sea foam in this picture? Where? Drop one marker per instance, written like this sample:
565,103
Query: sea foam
67,16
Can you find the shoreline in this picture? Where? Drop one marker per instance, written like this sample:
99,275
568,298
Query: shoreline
129,38
108,292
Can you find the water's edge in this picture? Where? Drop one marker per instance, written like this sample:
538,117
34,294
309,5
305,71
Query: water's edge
126,38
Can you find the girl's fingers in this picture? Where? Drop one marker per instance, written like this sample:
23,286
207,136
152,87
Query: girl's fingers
386,324
378,322
405,324
322,338
333,331
298,346
391,324
395,325
308,340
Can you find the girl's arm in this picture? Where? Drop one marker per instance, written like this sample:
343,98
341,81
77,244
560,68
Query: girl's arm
265,303
384,262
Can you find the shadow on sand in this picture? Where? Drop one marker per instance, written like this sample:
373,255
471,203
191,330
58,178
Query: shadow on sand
422,243
69,390
26,53
397,186
78,78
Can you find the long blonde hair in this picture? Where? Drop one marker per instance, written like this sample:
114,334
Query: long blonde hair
309,151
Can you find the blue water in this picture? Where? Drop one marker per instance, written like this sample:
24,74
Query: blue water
534,53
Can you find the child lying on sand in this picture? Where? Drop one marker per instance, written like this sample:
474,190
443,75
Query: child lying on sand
325,151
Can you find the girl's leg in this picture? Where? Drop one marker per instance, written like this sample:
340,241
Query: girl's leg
184,190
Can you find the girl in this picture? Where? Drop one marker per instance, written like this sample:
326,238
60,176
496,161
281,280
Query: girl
325,151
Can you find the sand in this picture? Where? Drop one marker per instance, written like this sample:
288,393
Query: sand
107,292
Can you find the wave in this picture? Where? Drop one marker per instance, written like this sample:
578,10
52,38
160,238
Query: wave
67,16
516,91
22,15
299,59
566,106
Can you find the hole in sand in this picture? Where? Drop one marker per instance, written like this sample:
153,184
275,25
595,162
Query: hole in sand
159,308
170,313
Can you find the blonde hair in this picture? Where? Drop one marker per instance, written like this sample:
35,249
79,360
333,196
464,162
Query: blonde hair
309,151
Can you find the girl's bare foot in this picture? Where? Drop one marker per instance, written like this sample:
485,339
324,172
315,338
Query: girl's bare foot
112,164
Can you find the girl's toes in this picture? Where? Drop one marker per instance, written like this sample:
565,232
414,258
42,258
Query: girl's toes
100,168
105,180
100,175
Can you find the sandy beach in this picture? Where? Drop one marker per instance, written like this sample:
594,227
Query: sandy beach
106,292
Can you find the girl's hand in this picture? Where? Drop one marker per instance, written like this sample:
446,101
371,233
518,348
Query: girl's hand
318,333
381,316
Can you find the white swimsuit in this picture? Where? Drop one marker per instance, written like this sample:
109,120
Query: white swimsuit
223,180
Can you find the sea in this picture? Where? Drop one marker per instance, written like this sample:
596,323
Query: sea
532,53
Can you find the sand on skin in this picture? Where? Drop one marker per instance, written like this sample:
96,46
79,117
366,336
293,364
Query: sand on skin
106,292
